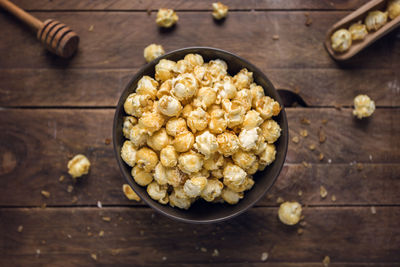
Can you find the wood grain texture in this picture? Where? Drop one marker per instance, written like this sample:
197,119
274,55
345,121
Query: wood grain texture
102,87
344,234
130,5
248,34
37,144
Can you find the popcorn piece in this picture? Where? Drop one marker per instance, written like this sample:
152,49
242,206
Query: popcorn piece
218,123
341,40
179,199
194,186
183,141
198,120
220,10
147,86
175,126
217,69
268,155
323,192
160,174
138,136
214,162
363,106
140,176
136,104
206,144
230,196
129,193
248,138
78,166
193,60
228,144
375,20
158,192
245,98
252,119
184,86
153,51
146,159
257,92
358,31
267,107
212,190
190,162
206,96
128,153
186,110
243,79
253,168
394,9
169,106
166,17
244,159
235,112
289,213
164,70
270,130
175,177
168,156
165,89
127,125
151,122
182,66
159,140
234,177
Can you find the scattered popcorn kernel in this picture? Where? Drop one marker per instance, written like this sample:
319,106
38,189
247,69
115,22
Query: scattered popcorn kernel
147,86
375,20
289,213
194,186
136,104
311,147
159,140
183,141
20,229
322,136
166,17
141,177
168,156
129,193
322,191
264,256
321,156
358,31
146,159
326,261
304,133
158,192
373,210
164,70
169,106
394,9
248,138
333,198
230,196
153,51
128,153
267,107
270,130
228,144
44,193
363,106
206,144
220,10
190,162
341,40
78,166
212,190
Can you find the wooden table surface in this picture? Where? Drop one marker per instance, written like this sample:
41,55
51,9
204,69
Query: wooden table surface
52,109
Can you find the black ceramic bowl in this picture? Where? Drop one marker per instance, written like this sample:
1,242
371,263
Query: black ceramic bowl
202,211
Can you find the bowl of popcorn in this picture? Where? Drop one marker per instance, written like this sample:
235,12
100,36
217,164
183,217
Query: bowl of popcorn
200,134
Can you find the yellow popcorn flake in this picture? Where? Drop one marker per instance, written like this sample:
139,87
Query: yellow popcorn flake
78,166
323,192
220,10
44,193
129,193
153,51
166,18
363,106
289,213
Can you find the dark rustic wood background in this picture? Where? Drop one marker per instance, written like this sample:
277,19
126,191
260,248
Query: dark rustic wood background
52,109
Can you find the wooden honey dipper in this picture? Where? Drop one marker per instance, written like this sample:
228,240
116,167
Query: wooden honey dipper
55,36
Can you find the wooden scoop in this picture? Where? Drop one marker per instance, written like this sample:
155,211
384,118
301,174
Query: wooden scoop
360,14
55,36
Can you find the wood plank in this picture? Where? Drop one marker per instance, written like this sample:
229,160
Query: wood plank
102,87
36,145
142,237
187,4
117,40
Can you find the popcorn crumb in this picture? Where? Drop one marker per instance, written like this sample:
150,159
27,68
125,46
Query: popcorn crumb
99,205
275,37
43,206
107,141
164,258
324,121
61,179
215,253
20,229
69,236
141,232
74,199
43,242
322,136
115,252
129,193
93,256
264,256
333,198
44,193
308,19
304,133
311,147
322,191
101,233
106,219
37,252
359,167
295,139
279,200
326,261
329,161
300,193
305,121
300,231
321,156
305,164
373,210
70,188
91,28
370,157
203,249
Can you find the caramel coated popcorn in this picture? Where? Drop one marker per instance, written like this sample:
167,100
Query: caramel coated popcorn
289,213
153,51
220,10
363,106
195,132
166,17
78,166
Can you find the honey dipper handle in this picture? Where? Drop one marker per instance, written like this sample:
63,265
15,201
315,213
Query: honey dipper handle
21,14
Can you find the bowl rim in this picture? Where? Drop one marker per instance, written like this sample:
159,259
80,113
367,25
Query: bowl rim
133,184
